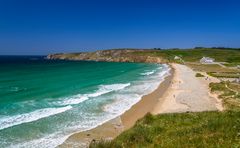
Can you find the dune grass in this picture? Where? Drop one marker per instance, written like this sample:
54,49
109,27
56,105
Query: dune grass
229,93
224,74
204,129
214,68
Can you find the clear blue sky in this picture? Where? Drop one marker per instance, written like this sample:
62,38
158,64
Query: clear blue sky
49,26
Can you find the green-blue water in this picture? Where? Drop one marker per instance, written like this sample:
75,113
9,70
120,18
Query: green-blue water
42,102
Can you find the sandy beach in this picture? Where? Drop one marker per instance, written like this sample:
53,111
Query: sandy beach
179,92
187,93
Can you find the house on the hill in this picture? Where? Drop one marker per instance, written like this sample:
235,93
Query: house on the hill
177,58
207,60
237,80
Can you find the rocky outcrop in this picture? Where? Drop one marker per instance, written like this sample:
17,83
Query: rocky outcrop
118,55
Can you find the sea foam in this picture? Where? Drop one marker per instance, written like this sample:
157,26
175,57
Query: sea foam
128,97
9,121
148,73
103,89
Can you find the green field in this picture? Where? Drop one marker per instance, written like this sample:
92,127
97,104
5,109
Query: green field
194,55
225,74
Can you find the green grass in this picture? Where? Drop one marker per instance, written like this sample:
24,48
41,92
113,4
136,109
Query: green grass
224,74
199,75
194,55
232,64
210,68
204,129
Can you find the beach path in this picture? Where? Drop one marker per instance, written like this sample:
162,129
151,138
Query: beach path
187,93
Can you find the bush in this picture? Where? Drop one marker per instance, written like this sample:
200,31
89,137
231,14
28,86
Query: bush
199,75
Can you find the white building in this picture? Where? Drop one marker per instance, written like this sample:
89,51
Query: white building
237,80
177,58
207,60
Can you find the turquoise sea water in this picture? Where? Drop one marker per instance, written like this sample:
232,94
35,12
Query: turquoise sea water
42,102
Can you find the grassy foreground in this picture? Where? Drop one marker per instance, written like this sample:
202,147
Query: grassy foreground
204,129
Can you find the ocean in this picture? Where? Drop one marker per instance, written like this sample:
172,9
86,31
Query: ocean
42,102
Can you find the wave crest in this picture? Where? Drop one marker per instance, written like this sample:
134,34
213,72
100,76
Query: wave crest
103,89
148,73
9,121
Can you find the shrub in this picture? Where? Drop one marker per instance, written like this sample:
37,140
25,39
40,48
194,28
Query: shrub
199,75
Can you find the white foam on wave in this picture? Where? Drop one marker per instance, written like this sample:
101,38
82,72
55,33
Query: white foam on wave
122,103
103,89
148,73
49,141
133,94
123,100
9,121
71,100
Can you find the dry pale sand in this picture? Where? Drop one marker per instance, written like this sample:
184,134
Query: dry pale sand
187,93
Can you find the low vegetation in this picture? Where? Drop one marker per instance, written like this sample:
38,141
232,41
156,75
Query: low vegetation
224,74
205,129
199,75
194,55
234,65
229,93
210,68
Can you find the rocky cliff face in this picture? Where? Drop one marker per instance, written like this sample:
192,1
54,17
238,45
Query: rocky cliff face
123,55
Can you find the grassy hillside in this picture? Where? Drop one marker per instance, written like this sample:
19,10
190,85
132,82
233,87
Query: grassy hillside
205,129
188,55
194,55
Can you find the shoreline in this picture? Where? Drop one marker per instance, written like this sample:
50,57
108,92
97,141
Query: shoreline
147,102
116,126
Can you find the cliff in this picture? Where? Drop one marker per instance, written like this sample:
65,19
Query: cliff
117,55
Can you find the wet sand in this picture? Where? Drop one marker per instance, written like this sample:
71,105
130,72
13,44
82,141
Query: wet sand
114,127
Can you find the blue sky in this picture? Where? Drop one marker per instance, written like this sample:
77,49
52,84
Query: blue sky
49,26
